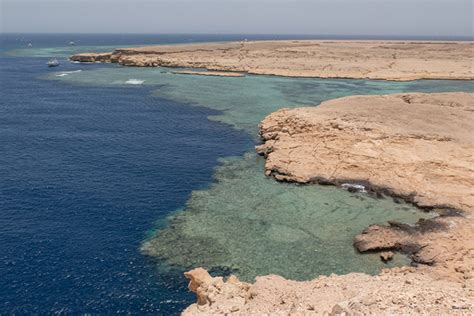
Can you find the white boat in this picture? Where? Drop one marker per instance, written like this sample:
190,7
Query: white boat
53,63
72,43
30,45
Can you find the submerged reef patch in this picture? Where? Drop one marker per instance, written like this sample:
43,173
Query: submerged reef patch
249,225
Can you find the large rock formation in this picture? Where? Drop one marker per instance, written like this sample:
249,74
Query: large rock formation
412,146
92,57
398,291
388,60
416,147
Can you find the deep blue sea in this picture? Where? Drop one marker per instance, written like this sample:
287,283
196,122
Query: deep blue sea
84,172
91,165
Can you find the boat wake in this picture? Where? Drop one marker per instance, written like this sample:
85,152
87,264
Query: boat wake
66,73
134,81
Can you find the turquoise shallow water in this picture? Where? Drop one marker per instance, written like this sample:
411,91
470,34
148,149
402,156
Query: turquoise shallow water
248,224
245,101
245,223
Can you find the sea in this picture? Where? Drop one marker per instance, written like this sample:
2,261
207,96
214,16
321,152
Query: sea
96,161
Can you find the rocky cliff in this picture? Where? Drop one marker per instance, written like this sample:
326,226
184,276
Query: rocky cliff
387,60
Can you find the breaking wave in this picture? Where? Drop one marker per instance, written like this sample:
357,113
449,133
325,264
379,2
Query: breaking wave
134,81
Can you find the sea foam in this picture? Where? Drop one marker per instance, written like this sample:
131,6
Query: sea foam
66,73
134,81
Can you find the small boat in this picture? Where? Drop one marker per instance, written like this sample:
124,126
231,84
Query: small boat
30,45
72,43
53,63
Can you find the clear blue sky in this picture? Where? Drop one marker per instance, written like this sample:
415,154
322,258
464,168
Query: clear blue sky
325,17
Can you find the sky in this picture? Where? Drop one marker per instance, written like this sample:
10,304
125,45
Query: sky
316,17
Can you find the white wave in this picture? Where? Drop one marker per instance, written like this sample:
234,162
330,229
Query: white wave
134,81
65,73
354,187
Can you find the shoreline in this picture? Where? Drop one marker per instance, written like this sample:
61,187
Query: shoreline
438,246
425,242
371,59
209,73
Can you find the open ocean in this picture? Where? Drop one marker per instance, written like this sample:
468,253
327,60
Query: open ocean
91,166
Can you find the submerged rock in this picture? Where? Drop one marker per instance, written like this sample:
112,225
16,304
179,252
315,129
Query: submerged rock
386,256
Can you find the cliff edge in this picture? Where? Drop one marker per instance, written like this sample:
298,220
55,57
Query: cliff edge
384,60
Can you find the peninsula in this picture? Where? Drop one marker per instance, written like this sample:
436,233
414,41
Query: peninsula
384,60
416,147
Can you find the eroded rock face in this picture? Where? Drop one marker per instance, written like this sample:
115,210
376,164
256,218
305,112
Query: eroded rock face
401,291
415,146
92,57
389,60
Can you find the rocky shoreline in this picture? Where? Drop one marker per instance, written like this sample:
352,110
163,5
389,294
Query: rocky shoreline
209,73
412,146
381,60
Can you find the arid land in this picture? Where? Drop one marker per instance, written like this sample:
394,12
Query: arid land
385,60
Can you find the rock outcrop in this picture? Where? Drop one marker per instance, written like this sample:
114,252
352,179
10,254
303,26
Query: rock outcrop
417,147
400,291
386,60
92,57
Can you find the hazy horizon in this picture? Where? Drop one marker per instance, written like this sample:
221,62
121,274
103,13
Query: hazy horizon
409,18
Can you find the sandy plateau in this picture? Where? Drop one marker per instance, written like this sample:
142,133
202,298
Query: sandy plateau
387,60
416,147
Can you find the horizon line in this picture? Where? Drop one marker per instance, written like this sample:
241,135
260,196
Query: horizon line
471,37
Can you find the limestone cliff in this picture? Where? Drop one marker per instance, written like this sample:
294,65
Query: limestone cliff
387,60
